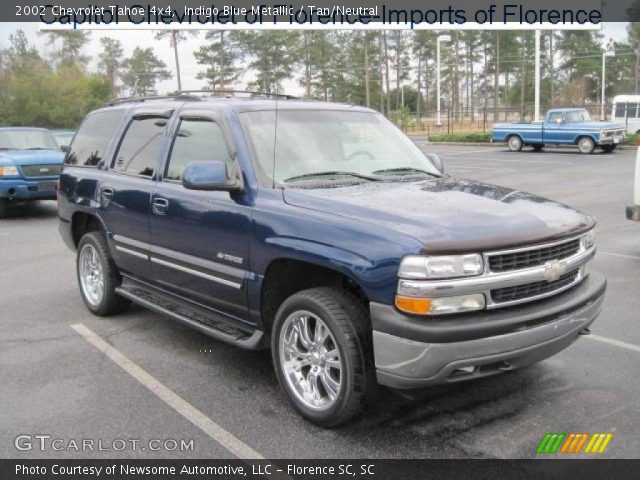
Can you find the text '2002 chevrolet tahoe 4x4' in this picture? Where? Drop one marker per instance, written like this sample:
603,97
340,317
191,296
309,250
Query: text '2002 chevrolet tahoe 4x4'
322,231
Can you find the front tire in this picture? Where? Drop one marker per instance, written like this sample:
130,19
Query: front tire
98,276
321,348
514,143
586,145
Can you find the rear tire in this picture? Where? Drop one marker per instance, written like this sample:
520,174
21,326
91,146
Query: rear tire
538,148
3,207
586,145
322,354
98,276
514,143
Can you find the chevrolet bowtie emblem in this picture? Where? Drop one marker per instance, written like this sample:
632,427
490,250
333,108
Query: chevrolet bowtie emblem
554,270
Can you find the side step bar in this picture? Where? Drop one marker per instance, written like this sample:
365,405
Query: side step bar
199,318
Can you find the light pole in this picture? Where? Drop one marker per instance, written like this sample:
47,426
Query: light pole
441,38
607,52
536,115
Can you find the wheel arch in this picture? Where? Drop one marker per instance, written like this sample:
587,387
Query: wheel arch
83,223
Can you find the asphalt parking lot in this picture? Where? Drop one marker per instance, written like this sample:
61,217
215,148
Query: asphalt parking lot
54,381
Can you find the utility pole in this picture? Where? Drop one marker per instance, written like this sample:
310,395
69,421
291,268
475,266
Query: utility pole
441,38
536,115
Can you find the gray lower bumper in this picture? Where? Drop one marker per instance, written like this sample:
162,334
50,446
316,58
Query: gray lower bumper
405,363
633,213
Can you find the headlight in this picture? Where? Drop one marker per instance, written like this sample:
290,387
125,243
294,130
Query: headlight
606,134
588,240
9,171
438,267
440,306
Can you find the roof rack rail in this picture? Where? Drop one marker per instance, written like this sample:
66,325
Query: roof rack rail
231,93
179,96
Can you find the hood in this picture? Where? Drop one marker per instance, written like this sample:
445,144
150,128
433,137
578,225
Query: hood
448,215
31,157
596,125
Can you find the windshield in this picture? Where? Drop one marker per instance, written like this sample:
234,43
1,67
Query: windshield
318,144
577,116
27,140
63,139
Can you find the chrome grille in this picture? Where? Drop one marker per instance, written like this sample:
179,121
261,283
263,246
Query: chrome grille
529,290
41,170
532,258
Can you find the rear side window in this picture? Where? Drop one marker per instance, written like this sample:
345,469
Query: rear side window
92,139
139,150
196,140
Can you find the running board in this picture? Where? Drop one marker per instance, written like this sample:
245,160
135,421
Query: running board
199,318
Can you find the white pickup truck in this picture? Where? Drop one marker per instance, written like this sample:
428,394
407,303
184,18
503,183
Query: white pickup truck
633,211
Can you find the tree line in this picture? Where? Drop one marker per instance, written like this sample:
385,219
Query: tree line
489,73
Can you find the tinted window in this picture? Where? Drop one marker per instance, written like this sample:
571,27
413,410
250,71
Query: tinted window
89,144
632,110
620,110
196,140
141,146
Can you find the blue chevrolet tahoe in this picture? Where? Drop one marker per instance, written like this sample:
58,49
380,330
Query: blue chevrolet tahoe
321,231
30,162
566,126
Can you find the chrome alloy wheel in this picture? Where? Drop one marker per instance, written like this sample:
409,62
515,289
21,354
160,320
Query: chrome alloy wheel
515,143
310,360
91,274
585,145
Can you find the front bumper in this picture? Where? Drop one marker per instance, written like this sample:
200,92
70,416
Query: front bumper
612,140
633,213
415,352
21,189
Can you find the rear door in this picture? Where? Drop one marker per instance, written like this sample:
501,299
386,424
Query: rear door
201,238
125,193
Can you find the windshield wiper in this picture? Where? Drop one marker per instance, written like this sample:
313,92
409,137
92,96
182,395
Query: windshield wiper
330,173
37,148
400,170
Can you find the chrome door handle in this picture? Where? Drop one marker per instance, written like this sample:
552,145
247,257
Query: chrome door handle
160,206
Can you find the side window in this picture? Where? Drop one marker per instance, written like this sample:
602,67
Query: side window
554,117
196,140
140,146
620,110
91,140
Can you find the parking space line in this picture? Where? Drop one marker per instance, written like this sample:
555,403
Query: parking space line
616,343
621,255
466,152
184,408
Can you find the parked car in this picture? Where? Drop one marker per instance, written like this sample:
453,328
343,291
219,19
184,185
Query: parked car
30,162
63,137
625,111
323,232
566,126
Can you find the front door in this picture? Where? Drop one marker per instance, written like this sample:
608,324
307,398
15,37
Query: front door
200,239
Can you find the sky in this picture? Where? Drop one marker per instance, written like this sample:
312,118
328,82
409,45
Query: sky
188,65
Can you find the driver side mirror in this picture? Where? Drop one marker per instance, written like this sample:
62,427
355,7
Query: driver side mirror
435,159
211,176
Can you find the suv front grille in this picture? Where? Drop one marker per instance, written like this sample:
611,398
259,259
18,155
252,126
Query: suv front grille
520,292
41,170
532,258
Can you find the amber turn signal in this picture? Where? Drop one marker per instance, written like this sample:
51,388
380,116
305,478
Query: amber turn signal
418,306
